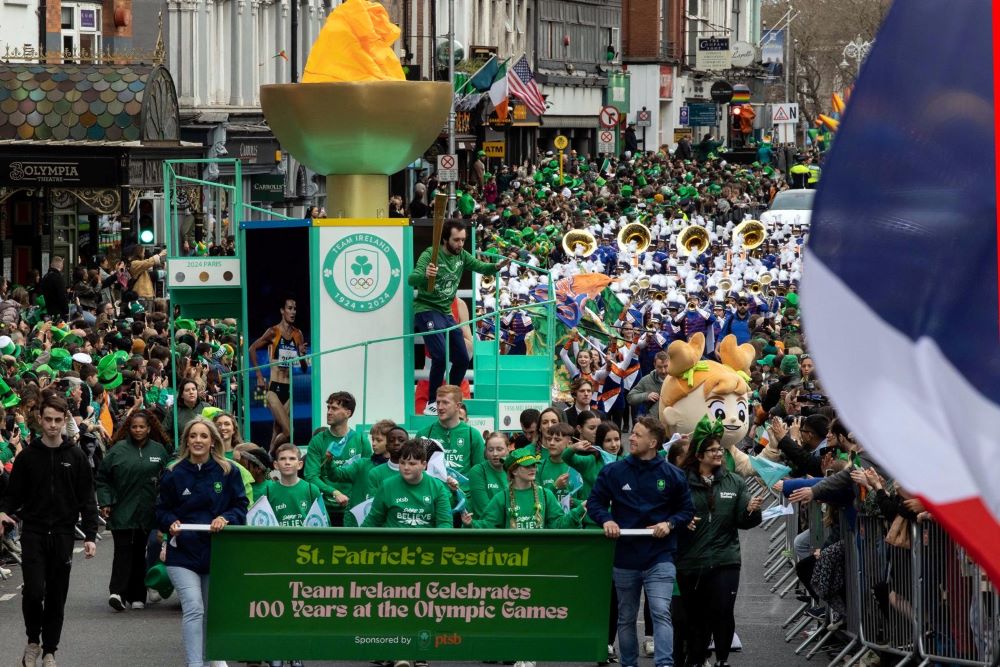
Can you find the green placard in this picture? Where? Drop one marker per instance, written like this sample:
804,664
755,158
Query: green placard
367,594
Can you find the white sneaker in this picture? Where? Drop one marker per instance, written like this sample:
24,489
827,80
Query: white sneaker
400,663
138,605
5,573
152,597
115,602
431,409
648,648
31,654
737,645
49,660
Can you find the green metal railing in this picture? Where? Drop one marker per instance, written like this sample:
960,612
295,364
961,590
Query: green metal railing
366,345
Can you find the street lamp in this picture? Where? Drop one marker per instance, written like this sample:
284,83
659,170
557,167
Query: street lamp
857,50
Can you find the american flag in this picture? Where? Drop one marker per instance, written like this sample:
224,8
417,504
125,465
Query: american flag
521,82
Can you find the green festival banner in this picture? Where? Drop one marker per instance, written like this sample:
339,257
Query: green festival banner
368,594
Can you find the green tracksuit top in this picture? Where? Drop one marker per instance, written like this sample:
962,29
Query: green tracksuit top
341,450
128,481
450,268
497,513
399,504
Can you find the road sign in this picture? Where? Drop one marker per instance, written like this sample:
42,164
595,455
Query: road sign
606,141
447,168
685,117
560,142
722,91
784,113
609,117
703,115
643,118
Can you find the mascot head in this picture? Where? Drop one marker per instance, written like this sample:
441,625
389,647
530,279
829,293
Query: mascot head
696,388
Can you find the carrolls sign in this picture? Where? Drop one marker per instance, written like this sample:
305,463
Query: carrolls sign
62,172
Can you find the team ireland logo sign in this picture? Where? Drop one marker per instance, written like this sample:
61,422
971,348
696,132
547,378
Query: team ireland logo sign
361,272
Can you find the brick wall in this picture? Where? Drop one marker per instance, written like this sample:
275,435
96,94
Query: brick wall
641,26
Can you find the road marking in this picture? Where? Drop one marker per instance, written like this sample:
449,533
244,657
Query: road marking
7,596
77,550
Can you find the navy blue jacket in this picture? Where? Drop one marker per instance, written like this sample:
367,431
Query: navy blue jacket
192,493
642,493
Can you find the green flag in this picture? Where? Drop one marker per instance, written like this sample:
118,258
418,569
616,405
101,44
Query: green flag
613,307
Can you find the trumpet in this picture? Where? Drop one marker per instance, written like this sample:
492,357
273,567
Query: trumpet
635,232
752,233
693,239
579,243
487,283
692,304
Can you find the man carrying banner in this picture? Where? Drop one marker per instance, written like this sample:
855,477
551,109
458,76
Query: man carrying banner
644,491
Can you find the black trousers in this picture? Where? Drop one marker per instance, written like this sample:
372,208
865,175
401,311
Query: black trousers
613,615
709,600
128,570
46,563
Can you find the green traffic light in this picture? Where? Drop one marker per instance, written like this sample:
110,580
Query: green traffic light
146,236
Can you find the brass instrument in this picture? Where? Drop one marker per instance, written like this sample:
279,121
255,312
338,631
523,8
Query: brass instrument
579,243
487,283
504,292
635,232
659,295
752,232
654,325
692,304
634,289
755,288
765,279
693,239
725,285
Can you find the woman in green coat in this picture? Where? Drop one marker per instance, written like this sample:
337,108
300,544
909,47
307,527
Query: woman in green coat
708,550
127,484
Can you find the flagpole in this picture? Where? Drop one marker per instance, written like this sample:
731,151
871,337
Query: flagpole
469,80
451,114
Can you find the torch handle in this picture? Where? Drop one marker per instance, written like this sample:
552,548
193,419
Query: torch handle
440,206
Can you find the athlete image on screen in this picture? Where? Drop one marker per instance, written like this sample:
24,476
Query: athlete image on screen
284,342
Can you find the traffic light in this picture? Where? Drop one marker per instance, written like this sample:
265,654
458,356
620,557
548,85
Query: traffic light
146,222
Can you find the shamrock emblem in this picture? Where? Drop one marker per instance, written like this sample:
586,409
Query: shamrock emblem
327,273
395,273
361,266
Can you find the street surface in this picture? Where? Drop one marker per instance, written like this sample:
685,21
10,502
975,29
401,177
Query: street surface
94,635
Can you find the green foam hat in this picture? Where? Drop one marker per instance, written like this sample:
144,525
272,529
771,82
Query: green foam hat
8,398
766,361
45,368
185,323
60,359
58,335
159,581
7,346
71,339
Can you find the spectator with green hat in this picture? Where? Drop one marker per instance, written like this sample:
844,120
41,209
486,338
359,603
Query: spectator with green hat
8,398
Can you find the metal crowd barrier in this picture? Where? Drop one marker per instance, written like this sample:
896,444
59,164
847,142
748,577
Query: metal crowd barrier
926,605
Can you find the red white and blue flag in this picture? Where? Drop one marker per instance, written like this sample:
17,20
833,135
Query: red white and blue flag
900,291
521,84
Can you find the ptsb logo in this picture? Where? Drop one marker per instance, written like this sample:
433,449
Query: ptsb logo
454,639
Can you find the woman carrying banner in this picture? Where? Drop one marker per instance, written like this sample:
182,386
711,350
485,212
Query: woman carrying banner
708,551
203,488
